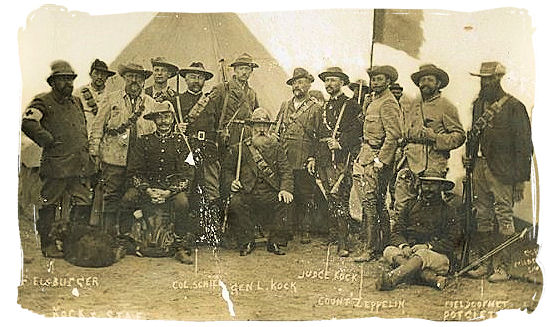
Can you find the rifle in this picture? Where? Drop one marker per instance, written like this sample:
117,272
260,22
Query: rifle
237,177
467,199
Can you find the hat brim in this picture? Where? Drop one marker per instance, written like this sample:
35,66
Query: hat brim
353,86
291,80
343,76
481,75
109,72
152,115
49,79
242,63
144,72
207,75
440,74
391,75
252,122
446,184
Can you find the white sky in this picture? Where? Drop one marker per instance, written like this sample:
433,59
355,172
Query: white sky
314,40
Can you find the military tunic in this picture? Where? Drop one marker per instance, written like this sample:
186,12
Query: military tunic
258,201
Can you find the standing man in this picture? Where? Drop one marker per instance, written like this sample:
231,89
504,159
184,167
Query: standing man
374,165
297,127
162,72
233,101
55,121
360,90
432,129
159,173
118,123
199,122
264,188
501,135
92,94
340,134
424,238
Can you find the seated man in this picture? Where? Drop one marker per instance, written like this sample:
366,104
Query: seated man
160,173
424,238
264,187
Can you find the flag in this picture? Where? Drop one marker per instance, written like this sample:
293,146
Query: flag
399,29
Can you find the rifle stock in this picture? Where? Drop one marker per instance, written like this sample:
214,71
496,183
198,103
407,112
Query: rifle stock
467,200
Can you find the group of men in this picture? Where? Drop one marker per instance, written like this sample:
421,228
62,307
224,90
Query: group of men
222,167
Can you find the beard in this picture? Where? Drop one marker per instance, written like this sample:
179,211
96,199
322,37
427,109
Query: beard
427,91
195,87
133,88
67,91
299,93
488,93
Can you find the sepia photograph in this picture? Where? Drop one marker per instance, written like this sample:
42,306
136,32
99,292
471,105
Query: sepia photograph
208,164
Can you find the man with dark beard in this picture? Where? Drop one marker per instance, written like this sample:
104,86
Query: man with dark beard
431,128
501,135
94,93
264,188
297,127
199,122
423,239
55,121
374,165
340,134
162,72
118,123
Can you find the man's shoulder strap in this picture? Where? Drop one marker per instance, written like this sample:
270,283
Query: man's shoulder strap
263,166
488,115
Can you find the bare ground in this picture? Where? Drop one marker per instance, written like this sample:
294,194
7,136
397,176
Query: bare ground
301,285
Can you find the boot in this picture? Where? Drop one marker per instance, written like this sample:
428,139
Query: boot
431,279
388,281
369,232
184,256
46,218
110,223
481,242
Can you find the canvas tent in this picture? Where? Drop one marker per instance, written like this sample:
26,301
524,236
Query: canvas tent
183,38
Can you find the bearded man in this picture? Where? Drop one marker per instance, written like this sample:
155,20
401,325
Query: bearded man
501,135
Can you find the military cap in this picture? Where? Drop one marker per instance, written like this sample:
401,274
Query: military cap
198,68
260,116
101,66
60,68
244,60
161,61
335,71
387,70
431,69
489,69
160,107
300,73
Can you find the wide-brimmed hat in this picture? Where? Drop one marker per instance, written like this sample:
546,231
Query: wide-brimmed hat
161,61
431,69
244,60
355,85
134,68
159,107
334,71
60,68
433,176
198,68
260,116
101,66
300,73
387,70
489,69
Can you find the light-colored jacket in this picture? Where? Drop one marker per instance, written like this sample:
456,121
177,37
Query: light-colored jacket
113,112
441,116
97,98
381,130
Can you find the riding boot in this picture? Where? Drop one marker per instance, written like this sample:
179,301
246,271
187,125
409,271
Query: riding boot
481,244
388,281
46,218
430,278
368,232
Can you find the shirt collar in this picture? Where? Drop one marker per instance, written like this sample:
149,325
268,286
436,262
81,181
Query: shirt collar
434,97
194,93
337,96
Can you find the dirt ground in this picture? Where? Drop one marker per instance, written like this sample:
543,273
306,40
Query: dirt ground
302,285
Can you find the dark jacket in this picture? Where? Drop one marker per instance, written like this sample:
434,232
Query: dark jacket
159,162
61,132
433,223
299,130
169,95
275,157
241,102
506,142
349,133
